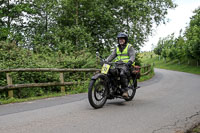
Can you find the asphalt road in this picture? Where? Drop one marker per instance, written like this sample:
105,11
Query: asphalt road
168,103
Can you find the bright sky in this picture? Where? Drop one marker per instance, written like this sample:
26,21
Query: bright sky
179,18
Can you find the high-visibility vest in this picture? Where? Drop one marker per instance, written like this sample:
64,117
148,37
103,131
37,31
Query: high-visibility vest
123,56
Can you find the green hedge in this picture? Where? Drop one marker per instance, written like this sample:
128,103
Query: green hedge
12,56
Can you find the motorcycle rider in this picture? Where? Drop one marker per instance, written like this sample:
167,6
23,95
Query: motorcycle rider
126,53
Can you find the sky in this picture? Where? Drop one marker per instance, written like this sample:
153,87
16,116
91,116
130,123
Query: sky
178,18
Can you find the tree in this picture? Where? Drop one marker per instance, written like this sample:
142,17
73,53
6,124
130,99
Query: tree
179,48
12,21
183,47
193,35
159,47
42,24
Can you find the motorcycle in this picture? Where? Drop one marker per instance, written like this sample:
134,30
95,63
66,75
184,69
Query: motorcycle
106,84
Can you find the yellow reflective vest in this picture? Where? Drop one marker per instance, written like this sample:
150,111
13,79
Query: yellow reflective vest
123,56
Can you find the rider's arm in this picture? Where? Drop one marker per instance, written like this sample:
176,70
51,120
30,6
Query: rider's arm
112,56
131,53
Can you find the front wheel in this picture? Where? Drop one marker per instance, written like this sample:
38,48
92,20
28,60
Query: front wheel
97,93
131,89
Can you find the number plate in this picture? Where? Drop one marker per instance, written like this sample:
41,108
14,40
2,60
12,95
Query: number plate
105,68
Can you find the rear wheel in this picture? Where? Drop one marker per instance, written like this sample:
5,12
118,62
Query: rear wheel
131,89
97,93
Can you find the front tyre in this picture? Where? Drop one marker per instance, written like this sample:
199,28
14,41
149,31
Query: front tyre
97,93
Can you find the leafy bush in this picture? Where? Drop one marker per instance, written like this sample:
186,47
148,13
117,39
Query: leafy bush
12,56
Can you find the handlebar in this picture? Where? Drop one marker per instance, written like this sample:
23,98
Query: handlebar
114,63
110,63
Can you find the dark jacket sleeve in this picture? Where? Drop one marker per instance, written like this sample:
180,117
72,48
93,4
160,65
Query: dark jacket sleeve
112,56
131,54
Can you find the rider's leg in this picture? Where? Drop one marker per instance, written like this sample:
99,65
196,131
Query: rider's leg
124,82
124,74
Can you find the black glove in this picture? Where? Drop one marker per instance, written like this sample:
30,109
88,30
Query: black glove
103,62
106,62
129,64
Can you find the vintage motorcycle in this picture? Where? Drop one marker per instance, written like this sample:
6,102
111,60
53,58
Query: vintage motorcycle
106,84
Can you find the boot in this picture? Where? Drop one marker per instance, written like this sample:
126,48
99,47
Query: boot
125,94
124,83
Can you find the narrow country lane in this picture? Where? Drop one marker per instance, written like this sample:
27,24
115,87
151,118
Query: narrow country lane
168,103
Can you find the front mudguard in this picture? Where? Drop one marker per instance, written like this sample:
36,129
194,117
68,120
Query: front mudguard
102,76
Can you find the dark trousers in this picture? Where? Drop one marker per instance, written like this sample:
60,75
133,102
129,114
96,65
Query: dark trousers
124,72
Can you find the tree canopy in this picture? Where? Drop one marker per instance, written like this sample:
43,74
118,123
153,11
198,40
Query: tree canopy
186,46
91,24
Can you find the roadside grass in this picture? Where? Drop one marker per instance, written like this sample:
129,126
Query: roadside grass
195,129
50,95
17,100
150,58
147,77
75,89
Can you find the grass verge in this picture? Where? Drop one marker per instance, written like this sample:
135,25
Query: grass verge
170,64
17,100
195,129
147,77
